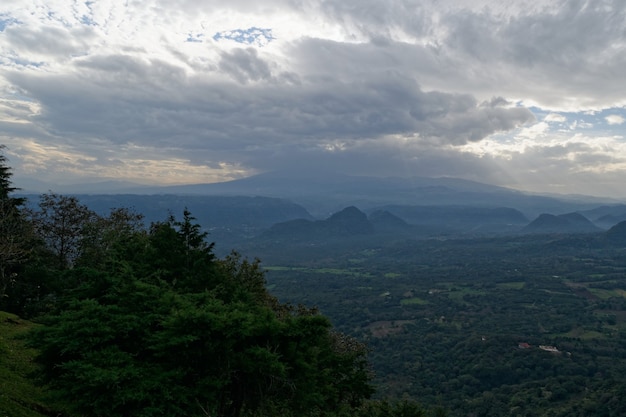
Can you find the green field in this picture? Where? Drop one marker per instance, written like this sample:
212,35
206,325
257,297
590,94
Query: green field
511,285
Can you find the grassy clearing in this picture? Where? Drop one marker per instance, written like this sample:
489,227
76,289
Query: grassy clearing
511,285
596,277
284,268
606,294
457,293
19,397
582,333
414,301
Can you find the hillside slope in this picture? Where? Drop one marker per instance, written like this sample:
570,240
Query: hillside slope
19,397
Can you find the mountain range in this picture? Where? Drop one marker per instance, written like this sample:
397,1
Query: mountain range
301,205
325,193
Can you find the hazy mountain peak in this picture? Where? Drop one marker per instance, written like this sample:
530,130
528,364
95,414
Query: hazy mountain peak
617,233
563,223
350,220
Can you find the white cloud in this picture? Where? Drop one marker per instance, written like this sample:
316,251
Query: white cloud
615,119
534,131
555,118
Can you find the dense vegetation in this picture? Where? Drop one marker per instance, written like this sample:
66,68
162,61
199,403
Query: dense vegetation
136,321
461,322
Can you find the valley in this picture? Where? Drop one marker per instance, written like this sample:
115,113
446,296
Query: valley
464,303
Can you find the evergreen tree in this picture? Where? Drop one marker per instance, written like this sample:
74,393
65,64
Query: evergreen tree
169,329
6,186
15,232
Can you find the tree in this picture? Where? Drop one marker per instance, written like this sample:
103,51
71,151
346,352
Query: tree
171,330
61,222
15,240
180,253
6,186
15,231
111,238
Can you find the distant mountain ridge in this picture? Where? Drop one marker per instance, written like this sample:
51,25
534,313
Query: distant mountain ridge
309,204
606,216
323,193
326,193
460,218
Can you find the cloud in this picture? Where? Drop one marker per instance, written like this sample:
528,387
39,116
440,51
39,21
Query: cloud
127,99
555,118
423,87
615,119
245,65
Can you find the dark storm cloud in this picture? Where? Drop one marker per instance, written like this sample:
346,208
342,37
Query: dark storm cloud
126,99
554,52
244,65
374,158
560,52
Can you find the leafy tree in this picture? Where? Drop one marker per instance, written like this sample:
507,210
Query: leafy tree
106,239
15,246
168,329
61,223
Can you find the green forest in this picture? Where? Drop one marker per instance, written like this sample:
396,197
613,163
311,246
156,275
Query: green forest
104,316
508,326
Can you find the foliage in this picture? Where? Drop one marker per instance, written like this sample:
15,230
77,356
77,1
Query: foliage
15,244
15,232
148,322
61,222
460,347
155,324
6,185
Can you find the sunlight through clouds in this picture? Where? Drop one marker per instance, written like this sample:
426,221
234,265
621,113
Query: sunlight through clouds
210,91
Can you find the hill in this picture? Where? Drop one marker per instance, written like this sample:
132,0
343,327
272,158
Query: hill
383,220
616,235
564,223
606,216
346,223
460,219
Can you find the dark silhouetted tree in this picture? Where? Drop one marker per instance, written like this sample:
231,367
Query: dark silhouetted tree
15,231
62,222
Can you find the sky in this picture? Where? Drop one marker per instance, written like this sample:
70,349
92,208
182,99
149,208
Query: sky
524,94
